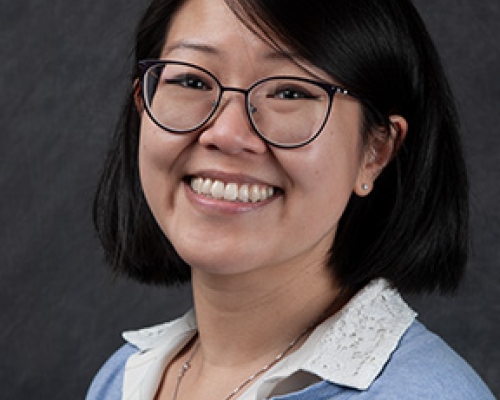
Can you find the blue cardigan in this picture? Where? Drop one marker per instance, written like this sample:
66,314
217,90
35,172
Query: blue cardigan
422,367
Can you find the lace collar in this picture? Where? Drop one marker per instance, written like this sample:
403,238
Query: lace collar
349,349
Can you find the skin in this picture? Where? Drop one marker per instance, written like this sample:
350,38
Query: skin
255,267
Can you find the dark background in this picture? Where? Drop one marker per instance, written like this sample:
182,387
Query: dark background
63,65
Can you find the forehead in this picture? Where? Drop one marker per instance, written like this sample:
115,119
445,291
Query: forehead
211,27
209,31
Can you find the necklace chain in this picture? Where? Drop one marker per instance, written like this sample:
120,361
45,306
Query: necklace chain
184,369
341,296
187,365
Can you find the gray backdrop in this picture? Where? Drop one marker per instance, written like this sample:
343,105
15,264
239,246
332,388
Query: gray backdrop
62,74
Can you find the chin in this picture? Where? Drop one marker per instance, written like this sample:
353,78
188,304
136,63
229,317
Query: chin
224,265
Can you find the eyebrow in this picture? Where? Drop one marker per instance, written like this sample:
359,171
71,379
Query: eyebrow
192,45
280,55
209,49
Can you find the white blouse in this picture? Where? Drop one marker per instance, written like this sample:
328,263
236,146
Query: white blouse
349,349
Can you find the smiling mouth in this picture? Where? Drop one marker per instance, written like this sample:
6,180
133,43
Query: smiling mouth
234,192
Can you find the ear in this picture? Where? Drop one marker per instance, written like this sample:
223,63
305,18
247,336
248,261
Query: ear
137,93
380,150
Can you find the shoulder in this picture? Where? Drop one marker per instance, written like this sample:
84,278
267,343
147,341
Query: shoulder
424,367
108,382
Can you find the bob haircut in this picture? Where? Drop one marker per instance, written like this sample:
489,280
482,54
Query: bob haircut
413,227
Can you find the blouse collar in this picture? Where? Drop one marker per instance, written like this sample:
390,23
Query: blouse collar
349,349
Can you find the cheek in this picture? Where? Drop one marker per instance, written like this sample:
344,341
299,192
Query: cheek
323,174
317,196
156,161
329,169
159,151
150,161
332,183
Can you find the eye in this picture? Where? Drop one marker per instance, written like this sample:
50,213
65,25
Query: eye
189,82
292,93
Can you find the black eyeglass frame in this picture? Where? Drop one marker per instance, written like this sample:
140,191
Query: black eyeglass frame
330,89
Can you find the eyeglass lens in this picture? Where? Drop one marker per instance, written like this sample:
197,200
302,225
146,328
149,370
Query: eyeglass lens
284,111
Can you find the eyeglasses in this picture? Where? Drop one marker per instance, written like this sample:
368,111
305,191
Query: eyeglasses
286,112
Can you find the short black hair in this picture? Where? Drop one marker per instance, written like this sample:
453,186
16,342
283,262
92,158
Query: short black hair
413,227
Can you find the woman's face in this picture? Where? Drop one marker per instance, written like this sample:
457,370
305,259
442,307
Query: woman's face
312,184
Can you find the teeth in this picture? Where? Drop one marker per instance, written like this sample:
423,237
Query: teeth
255,193
244,193
206,186
217,190
196,184
231,191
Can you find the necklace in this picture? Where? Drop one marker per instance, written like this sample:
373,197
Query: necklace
337,302
185,367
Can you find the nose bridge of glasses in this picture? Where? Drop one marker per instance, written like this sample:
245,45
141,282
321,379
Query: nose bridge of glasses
242,91
222,102
234,89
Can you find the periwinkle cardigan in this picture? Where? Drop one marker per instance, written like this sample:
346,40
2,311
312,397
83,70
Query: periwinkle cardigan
373,349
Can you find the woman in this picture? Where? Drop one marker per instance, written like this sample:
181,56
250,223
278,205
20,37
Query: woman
300,164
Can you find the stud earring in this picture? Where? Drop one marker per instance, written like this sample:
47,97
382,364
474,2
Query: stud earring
365,186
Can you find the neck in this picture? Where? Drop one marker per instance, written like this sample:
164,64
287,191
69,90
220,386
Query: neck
250,318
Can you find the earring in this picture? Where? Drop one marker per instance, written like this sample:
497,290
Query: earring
365,186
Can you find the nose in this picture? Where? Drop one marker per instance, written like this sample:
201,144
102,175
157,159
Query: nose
230,130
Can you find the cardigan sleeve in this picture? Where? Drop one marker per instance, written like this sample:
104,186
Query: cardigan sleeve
108,383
